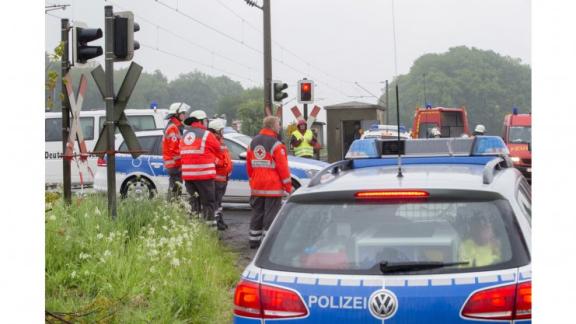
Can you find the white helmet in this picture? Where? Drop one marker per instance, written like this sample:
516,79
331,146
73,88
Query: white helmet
435,132
480,129
217,124
198,114
176,108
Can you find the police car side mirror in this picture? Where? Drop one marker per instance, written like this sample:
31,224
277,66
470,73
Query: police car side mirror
242,156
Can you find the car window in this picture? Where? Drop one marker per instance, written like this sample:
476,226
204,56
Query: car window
147,143
53,129
524,197
234,148
244,139
357,237
138,123
520,134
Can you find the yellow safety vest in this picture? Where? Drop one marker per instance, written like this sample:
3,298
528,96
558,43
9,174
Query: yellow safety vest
305,148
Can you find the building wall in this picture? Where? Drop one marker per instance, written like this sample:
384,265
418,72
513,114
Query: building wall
334,123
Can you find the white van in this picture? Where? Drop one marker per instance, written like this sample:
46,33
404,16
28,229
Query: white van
91,121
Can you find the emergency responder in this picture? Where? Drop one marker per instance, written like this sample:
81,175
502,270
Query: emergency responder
302,140
171,147
199,149
479,130
223,169
267,167
483,247
435,132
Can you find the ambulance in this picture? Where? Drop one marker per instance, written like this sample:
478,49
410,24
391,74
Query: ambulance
452,122
517,134
91,123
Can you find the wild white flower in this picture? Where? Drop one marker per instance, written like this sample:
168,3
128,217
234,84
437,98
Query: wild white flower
85,215
97,226
152,289
152,269
97,211
100,236
84,256
52,217
102,260
164,227
107,253
86,273
175,262
73,274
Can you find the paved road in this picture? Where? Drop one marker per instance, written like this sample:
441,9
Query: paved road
237,216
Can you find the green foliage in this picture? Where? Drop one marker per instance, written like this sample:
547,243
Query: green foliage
486,83
152,264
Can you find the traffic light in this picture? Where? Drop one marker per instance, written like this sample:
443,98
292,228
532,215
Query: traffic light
81,51
305,91
278,93
124,43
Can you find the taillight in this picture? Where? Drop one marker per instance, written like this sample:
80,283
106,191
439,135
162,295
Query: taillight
101,162
263,301
508,302
392,194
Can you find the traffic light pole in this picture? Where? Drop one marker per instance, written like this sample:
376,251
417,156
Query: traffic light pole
267,59
305,112
109,99
387,108
65,65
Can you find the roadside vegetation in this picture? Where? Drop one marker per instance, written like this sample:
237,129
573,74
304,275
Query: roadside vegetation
152,264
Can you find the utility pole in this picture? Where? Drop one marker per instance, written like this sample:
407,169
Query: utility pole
267,58
65,64
109,99
387,106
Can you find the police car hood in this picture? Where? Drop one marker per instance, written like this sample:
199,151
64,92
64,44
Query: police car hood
306,163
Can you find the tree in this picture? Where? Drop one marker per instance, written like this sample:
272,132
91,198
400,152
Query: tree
489,85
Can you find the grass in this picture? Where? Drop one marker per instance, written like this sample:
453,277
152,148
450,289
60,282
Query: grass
152,264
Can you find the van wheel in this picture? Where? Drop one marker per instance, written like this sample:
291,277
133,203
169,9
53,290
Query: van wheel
138,188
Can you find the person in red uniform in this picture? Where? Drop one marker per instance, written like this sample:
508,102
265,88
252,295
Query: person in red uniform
269,176
171,147
223,170
199,149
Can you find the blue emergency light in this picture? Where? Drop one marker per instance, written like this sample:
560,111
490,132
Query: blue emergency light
514,111
153,105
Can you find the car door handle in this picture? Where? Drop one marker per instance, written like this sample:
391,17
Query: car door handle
156,164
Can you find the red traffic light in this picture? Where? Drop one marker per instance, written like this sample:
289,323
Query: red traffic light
306,87
306,91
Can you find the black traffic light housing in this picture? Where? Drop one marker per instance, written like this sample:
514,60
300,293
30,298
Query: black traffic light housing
278,93
124,43
83,52
305,91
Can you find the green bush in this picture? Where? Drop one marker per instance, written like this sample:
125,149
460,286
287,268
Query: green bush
152,264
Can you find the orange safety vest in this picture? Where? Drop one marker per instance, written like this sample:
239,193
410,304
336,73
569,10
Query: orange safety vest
198,149
171,144
223,163
267,166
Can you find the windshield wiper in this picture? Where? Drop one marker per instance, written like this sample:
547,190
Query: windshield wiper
388,267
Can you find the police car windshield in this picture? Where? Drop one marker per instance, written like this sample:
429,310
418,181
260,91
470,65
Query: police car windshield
357,238
520,134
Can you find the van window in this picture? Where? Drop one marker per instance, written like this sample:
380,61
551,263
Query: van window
424,130
138,123
53,129
147,143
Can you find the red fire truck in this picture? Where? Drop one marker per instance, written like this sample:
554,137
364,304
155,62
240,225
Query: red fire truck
451,122
517,134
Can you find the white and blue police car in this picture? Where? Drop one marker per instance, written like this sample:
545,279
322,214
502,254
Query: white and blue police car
146,176
446,240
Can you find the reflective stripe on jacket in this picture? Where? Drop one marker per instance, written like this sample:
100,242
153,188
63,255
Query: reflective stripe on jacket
223,163
305,148
171,144
198,149
267,166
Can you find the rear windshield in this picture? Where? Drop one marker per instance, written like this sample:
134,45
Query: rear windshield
356,237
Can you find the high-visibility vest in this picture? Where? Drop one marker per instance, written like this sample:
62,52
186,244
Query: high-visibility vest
305,148
171,144
198,149
223,164
267,166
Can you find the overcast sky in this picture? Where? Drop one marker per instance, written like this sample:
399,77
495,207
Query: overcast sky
334,42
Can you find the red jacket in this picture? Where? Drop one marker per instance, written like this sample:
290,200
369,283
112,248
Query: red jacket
267,166
223,163
198,149
171,144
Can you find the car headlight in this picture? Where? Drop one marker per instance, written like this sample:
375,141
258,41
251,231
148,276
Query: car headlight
515,159
311,172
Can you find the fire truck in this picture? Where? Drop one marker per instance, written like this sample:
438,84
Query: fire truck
451,122
517,134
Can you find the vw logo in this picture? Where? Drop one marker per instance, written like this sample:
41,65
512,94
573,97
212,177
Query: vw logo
189,138
383,304
259,152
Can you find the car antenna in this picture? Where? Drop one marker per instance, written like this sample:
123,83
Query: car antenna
398,133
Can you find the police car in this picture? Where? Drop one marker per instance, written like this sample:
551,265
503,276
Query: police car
446,240
146,176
